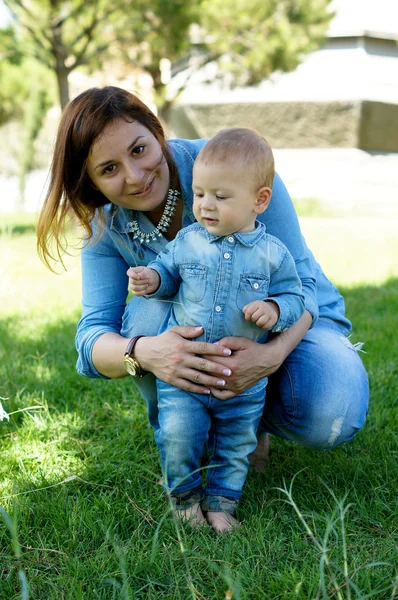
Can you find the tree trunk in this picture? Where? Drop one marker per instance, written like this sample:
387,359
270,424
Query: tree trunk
163,105
63,85
164,112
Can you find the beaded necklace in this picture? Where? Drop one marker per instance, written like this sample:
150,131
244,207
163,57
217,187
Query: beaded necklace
162,226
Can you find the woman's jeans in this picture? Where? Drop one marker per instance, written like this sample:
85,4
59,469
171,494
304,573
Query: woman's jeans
318,398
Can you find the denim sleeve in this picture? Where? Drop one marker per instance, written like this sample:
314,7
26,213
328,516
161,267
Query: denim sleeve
281,221
104,289
286,291
168,271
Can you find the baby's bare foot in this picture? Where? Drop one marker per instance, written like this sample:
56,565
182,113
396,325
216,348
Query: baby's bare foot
260,456
221,521
193,516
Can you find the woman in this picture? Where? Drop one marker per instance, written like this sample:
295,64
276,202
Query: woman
131,191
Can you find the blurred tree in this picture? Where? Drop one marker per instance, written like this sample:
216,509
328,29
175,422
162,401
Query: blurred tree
35,110
162,38
66,34
248,38
26,94
19,74
12,89
251,39
9,48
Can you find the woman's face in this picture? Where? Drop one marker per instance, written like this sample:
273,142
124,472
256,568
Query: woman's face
127,165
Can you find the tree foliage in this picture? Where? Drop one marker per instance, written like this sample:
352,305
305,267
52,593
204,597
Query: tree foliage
251,39
19,74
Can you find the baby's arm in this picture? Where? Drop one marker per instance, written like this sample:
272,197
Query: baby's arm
264,314
285,302
143,280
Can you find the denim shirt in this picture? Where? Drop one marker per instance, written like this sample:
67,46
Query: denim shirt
211,278
106,258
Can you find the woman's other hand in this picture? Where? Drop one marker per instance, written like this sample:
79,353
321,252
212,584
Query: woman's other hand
249,362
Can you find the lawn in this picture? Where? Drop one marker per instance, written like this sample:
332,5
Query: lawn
83,516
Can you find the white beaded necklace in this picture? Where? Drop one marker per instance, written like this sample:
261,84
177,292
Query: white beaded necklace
162,226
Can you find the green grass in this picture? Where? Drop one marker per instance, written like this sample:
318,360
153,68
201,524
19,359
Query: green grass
13,223
312,207
79,467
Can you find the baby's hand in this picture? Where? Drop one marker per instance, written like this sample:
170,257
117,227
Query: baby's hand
143,280
263,314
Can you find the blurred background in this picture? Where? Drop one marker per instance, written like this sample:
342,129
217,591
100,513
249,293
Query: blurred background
318,78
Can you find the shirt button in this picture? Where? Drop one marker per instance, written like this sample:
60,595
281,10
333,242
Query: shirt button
227,255
218,308
231,239
256,286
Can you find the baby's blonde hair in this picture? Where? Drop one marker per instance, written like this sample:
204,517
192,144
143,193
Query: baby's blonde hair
243,146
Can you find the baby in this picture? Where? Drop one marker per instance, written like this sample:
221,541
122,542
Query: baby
228,275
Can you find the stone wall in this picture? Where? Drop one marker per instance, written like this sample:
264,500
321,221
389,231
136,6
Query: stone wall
378,127
362,124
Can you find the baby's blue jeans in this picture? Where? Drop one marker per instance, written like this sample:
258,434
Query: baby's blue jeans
318,398
187,422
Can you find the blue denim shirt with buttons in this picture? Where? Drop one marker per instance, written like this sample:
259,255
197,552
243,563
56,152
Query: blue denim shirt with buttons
211,278
106,258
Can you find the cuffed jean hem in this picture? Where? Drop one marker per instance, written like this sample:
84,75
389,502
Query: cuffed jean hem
184,500
224,504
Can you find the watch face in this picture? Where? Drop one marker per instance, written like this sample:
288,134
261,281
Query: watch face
130,366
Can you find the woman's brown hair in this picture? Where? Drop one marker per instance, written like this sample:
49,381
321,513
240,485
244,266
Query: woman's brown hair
70,191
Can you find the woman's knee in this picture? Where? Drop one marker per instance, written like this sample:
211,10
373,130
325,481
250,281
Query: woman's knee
326,424
331,431
143,316
323,391
320,416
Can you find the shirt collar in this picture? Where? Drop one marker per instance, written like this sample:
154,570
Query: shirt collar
248,238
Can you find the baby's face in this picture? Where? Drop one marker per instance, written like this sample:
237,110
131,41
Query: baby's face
224,201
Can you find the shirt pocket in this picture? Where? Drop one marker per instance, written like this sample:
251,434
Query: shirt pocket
252,286
194,277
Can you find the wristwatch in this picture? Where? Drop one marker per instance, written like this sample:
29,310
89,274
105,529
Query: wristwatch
132,365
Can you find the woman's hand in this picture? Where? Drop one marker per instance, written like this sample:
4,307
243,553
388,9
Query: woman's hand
249,362
173,357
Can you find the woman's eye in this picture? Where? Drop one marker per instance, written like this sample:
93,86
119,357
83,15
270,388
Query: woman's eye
221,197
138,150
109,169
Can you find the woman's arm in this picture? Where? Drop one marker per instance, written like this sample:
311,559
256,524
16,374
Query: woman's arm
104,293
171,356
281,221
250,361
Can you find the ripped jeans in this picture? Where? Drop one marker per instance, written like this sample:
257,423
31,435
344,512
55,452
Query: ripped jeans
318,398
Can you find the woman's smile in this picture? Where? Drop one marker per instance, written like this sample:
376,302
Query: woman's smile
144,191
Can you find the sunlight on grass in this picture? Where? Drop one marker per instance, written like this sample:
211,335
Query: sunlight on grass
27,285
354,250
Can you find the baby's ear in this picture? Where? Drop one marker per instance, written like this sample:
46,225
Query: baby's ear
263,198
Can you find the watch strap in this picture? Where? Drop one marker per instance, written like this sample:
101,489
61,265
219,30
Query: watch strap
129,353
130,346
